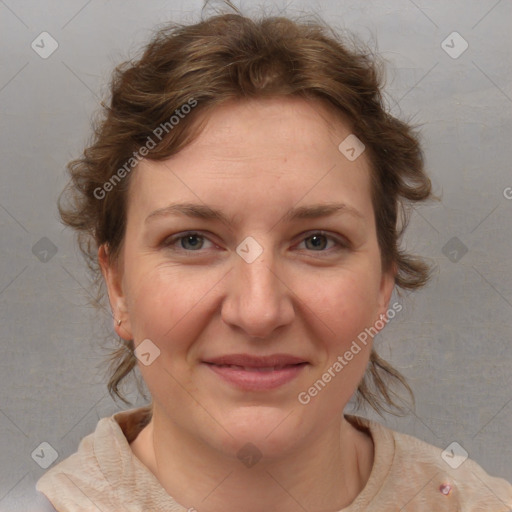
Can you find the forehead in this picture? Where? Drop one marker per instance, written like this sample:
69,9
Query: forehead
282,124
261,153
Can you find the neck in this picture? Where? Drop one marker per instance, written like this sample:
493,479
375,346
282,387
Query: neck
326,472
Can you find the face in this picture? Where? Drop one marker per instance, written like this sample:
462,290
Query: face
249,307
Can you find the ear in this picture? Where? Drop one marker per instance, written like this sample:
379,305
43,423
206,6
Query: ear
113,275
387,284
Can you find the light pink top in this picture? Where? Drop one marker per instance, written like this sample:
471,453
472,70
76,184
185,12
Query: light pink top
408,475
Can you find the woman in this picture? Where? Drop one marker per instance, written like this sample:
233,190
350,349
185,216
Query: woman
243,202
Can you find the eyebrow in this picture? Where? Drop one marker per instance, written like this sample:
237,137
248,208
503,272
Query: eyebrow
204,212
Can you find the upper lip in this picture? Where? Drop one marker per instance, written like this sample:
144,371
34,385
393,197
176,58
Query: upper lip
250,361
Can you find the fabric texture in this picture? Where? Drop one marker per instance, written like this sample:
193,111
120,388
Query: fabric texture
407,475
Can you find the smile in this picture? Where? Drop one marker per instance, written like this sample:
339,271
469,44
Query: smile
251,378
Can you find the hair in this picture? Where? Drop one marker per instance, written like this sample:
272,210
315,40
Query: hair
233,57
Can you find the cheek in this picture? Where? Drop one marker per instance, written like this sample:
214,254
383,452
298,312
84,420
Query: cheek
171,308
347,303
167,303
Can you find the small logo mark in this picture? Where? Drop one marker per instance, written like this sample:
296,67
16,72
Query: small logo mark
44,250
454,455
454,45
454,249
445,489
249,455
45,455
44,45
351,147
146,352
249,249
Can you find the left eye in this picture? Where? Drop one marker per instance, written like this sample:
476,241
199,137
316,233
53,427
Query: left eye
319,241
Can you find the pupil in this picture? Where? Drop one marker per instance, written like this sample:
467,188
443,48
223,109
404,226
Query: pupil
190,240
317,240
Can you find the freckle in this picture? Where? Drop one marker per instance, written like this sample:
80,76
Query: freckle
445,489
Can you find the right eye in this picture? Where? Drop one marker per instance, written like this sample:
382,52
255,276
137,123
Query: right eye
189,241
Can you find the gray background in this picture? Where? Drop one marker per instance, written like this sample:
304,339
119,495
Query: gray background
452,340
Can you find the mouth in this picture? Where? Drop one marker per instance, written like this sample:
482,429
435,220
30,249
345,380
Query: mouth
255,369
250,373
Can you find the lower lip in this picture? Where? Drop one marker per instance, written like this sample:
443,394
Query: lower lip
257,380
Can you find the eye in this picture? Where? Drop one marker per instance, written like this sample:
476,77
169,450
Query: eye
190,241
319,241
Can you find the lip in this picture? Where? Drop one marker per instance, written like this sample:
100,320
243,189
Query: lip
257,373
251,361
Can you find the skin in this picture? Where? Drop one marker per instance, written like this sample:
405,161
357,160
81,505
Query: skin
255,160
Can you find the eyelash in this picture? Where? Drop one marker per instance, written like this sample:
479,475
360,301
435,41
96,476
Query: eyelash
170,242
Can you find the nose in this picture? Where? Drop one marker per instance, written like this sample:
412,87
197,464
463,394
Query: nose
258,300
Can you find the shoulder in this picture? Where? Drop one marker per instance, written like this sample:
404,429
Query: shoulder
74,483
428,476
104,474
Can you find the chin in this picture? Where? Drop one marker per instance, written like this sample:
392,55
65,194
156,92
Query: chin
272,430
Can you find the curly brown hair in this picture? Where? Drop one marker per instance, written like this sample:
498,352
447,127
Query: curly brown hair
231,56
